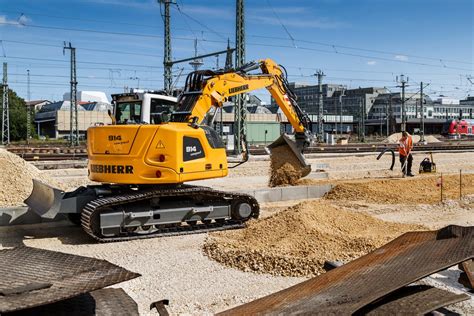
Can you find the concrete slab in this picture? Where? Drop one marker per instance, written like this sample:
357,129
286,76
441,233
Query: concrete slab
289,193
317,175
294,193
318,191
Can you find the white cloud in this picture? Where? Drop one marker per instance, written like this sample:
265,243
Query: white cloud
20,22
371,62
401,57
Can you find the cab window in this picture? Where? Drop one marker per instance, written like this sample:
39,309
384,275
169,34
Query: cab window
128,112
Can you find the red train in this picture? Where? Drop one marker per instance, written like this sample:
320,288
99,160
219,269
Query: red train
456,127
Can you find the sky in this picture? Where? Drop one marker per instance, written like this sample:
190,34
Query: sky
356,43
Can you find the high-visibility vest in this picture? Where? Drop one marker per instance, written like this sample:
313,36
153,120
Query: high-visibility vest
405,145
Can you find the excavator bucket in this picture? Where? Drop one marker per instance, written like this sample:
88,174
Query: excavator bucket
45,200
292,147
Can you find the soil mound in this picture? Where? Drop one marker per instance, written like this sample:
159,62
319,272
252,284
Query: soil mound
297,241
285,168
417,190
16,179
395,138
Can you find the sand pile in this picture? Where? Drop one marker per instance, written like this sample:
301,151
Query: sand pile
297,241
16,179
394,139
417,190
285,168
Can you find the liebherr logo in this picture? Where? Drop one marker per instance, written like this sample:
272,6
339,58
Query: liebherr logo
191,149
239,88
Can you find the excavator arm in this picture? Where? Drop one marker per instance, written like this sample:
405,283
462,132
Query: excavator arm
205,89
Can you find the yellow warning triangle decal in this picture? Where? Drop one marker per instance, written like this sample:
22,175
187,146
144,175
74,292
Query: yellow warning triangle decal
160,145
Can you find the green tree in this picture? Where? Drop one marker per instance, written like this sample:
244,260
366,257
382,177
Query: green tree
17,107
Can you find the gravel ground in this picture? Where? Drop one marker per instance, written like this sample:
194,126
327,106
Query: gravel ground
172,268
254,174
175,267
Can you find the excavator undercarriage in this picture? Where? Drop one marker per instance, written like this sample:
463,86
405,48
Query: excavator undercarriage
121,212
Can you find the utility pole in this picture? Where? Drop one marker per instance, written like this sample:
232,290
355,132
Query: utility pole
320,76
228,57
5,109
422,111
403,84
28,107
362,119
73,126
340,104
168,77
240,100
197,62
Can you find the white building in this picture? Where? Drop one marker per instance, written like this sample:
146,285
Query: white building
88,96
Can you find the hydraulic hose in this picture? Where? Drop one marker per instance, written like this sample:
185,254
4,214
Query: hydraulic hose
393,156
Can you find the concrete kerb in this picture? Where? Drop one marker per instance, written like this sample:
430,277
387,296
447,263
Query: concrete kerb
289,193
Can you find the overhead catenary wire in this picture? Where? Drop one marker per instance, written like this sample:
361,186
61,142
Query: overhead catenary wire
254,44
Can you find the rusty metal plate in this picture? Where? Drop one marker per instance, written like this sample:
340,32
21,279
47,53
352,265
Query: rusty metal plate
110,302
412,300
32,277
467,276
345,290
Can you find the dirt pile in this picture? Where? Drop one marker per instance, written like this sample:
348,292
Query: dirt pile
297,241
16,179
285,168
418,190
395,138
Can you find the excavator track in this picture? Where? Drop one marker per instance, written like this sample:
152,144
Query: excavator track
91,213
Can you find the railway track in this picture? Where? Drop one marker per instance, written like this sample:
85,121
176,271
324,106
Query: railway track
66,153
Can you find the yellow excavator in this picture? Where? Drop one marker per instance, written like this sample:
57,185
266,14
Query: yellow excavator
143,165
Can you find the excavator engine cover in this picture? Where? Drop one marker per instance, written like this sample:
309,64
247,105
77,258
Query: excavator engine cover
294,147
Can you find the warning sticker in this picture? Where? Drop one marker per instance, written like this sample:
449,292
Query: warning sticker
160,145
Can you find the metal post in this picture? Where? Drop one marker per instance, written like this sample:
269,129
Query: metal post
441,184
340,104
403,83
5,108
221,121
28,107
239,112
168,77
422,117
335,116
228,57
363,118
74,131
460,184
320,76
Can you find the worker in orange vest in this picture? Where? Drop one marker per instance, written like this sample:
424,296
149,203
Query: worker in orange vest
405,146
